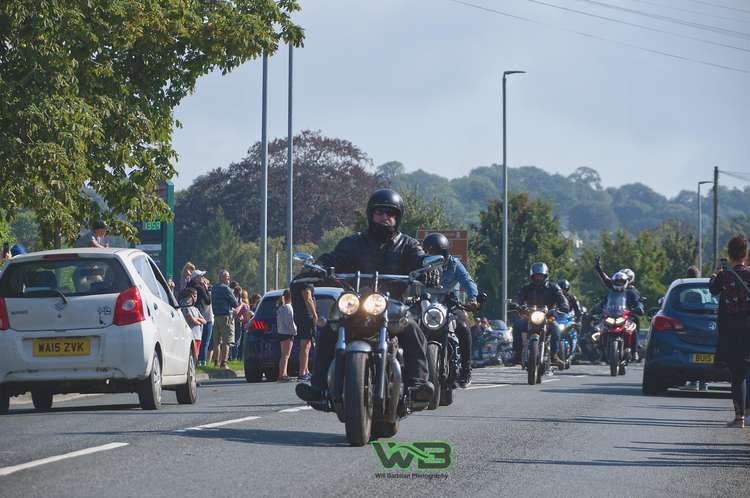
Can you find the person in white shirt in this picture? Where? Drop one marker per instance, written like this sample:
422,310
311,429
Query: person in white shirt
286,327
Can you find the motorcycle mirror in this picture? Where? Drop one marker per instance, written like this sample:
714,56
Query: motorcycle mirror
482,298
303,257
432,262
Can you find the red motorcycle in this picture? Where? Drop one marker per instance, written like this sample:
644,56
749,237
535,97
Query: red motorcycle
616,331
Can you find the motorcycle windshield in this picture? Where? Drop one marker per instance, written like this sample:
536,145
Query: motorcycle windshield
616,304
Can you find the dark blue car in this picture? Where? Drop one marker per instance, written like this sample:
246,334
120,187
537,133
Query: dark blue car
261,351
682,340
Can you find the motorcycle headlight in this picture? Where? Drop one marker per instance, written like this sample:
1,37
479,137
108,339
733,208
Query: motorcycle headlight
348,303
537,318
610,321
433,318
375,304
619,321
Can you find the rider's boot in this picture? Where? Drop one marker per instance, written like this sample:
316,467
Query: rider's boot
464,377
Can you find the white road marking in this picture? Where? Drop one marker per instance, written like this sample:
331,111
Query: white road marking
579,376
296,409
549,380
486,387
4,471
217,424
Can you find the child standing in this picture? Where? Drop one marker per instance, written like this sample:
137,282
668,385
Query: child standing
192,316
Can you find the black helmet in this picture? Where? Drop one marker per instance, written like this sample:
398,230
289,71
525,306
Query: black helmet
563,284
386,197
437,243
539,268
99,225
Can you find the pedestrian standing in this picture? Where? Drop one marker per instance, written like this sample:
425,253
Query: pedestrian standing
185,275
732,284
225,306
192,316
305,318
200,283
287,330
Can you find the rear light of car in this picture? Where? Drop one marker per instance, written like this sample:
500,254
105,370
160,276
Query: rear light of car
129,307
663,323
60,256
4,321
259,325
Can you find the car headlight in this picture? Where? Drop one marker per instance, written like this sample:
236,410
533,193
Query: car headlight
537,317
433,318
348,303
375,304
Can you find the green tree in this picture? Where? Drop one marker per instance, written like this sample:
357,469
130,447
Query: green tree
534,235
87,92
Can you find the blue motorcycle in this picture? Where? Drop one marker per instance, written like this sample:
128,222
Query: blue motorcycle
566,323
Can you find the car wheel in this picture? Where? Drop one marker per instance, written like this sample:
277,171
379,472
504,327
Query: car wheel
651,385
42,399
187,393
149,394
4,402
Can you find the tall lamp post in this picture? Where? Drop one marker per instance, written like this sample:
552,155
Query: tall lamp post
700,226
504,294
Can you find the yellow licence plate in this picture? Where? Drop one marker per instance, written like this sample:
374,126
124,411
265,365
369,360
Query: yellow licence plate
69,346
703,358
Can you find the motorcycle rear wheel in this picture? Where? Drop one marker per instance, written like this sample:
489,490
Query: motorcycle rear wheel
533,363
433,366
358,399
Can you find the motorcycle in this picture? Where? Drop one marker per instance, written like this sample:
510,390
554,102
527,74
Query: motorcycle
492,347
568,327
365,385
536,349
438,322
616,330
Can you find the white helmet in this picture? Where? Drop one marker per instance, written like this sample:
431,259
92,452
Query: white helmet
630,274
619,281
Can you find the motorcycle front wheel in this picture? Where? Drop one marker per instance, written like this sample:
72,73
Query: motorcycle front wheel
433,365
358,388
533,362
614,357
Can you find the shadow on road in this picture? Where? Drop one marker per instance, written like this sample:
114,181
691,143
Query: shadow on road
698,455
272,437
638,421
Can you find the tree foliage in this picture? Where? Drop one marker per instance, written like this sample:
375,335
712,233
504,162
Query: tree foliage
87,92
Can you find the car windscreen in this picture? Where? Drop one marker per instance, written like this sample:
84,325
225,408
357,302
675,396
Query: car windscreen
694,298
71,277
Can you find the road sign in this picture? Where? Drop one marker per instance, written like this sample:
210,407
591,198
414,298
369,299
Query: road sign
459,240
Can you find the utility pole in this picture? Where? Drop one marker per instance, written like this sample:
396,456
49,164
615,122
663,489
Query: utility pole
276,281
716,217
264,181
290,172
504,262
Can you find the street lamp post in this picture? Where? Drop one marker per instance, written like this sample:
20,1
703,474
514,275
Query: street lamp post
700,226
504,294
264,180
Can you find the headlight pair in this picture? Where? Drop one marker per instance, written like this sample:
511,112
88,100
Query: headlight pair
374,304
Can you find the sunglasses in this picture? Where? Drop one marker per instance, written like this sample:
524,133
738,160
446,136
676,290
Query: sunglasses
381,211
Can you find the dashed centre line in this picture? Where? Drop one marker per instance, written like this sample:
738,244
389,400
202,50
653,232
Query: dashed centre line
4,471
217,424
296,409
471,388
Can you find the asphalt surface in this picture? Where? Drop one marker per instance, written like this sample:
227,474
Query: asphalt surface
580,433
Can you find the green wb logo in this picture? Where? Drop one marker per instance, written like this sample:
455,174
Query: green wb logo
429,455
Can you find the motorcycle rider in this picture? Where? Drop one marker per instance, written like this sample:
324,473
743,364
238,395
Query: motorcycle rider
633,297
575,304
539,292
454,274
382,248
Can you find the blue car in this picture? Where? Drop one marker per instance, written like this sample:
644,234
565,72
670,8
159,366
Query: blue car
682,339
261,351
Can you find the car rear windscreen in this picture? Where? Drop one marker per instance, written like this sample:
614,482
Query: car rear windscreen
694,299
71,277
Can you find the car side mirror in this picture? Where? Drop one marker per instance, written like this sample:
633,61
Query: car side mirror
660,301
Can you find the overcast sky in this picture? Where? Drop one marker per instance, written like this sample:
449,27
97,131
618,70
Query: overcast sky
418,81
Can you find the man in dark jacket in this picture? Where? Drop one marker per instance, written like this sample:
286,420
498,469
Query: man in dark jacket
539,292
382,248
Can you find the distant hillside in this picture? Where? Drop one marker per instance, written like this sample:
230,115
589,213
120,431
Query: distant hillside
583,204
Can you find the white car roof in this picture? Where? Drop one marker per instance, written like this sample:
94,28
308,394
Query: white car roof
85,251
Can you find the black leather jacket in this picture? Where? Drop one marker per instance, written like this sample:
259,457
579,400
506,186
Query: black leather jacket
575,305
362,252
548,295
